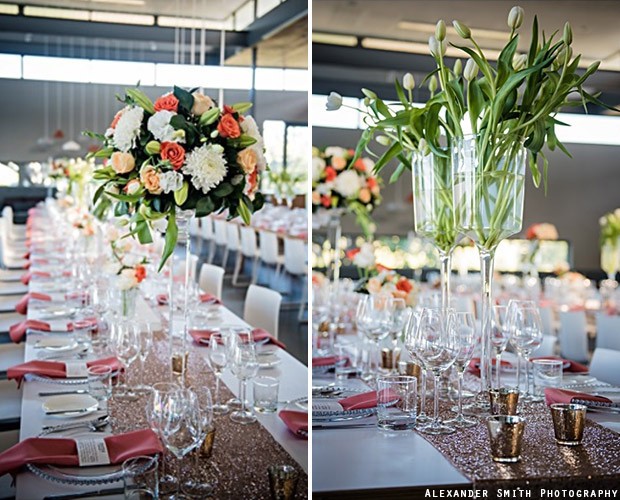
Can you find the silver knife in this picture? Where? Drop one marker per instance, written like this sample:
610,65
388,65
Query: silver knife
69,412
86,494
62,393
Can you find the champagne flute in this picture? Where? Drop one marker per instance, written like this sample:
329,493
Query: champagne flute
499,338
526,337
244,364
126,347
371,320
437,346
467,338
218,359
396,321
146,343
410,344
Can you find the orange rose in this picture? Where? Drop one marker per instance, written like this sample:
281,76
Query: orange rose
364,195
316,198
167,103
228,127
150,179
352,253
326,201
360,165
117,117
140,273
174,153
330,174
338,162
247,160
404,284
252,184
122,163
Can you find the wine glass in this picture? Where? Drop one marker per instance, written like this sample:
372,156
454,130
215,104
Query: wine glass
197,487
467,338
437,346
526,336
182,426
244,365
146,343
154,416
372,312
126,346
499,338
395,322
218,359
410,333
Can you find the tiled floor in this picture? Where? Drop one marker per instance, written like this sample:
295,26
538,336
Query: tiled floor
293,333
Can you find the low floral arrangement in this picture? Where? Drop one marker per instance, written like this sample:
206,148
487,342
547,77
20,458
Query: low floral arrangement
180,152
542,231
376,279
334,186
610,228
57,169
85,224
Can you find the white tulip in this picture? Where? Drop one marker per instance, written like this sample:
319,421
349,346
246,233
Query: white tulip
515,17
334,101
471,70
408,81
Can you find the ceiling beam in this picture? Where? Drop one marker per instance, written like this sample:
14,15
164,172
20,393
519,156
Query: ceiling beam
276,20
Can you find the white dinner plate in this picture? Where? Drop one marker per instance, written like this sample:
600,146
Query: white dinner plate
57,344
76,405
268,358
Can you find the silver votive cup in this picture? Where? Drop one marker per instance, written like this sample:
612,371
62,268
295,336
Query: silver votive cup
506,437
282,481
568,423
504,401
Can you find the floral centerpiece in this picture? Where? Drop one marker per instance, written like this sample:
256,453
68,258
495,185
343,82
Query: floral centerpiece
355,190
376,279
180,153
541,231
610,243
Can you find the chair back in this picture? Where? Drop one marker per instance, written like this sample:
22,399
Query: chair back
206,228
262,308
268,247
212,279
221,237
249,242
604,365
608,331
295,256
232,236
573,336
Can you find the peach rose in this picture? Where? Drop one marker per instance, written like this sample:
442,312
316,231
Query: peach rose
247,160
229,127
338,162
202,104
166,102
316,197
123,163
364,195
174,153
132,187
373,285
150,179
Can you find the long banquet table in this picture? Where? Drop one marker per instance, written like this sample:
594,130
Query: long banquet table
293,384
404,464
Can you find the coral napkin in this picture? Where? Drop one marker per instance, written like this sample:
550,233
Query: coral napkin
296,421
324,361
26,277
162,299
258,334
474,365
54,369
22,306
563,396
63,451
17,331
363,401
573,366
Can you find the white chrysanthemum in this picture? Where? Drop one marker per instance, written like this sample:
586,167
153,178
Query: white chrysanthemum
170,181
159,126
249,127
324,188
207,166
318,165
128,128
348,183
335,151
365,258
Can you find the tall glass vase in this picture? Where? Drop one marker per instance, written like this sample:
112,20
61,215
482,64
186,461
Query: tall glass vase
433,212
178,295
334,234
488,187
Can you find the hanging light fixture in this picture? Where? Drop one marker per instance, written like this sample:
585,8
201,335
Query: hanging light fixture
46,142
71,145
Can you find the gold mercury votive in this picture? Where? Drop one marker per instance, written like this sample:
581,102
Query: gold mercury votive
206,450
179,362
506,437
504,401
409,368
386,357
568,423
282,481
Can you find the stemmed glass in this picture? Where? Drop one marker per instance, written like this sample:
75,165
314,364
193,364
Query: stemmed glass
126,347
182,426
146,342
525,335
467,338
410,344
244,365
372,312
395,322
196,487
437,346
499,338
155,409
218,359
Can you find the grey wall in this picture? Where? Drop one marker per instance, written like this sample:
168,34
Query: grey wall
22,105
580,191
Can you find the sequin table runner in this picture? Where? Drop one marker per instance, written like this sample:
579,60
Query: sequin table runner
543,461
241,453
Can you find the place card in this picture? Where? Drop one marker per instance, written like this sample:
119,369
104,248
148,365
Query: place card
92,451
76,369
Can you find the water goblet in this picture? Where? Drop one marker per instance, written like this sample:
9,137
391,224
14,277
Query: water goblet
244,365
217,357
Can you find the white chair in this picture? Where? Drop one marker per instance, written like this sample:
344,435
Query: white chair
212,279
233,244
262,308
269,252
547,346
295,264
207,236
221,238
546,316
12,252
604,365
249,249
573,335
608,332
15,231
194,233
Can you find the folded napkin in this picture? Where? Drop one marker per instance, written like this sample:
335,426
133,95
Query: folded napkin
563,396
573,366
258,334
162,299
26,277
22,306
474,365
324,361
17,331
63,451
54,369
296,421
364,401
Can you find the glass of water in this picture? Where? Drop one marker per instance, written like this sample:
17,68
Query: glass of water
100,382
396,402
266,394
347,361
547,373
